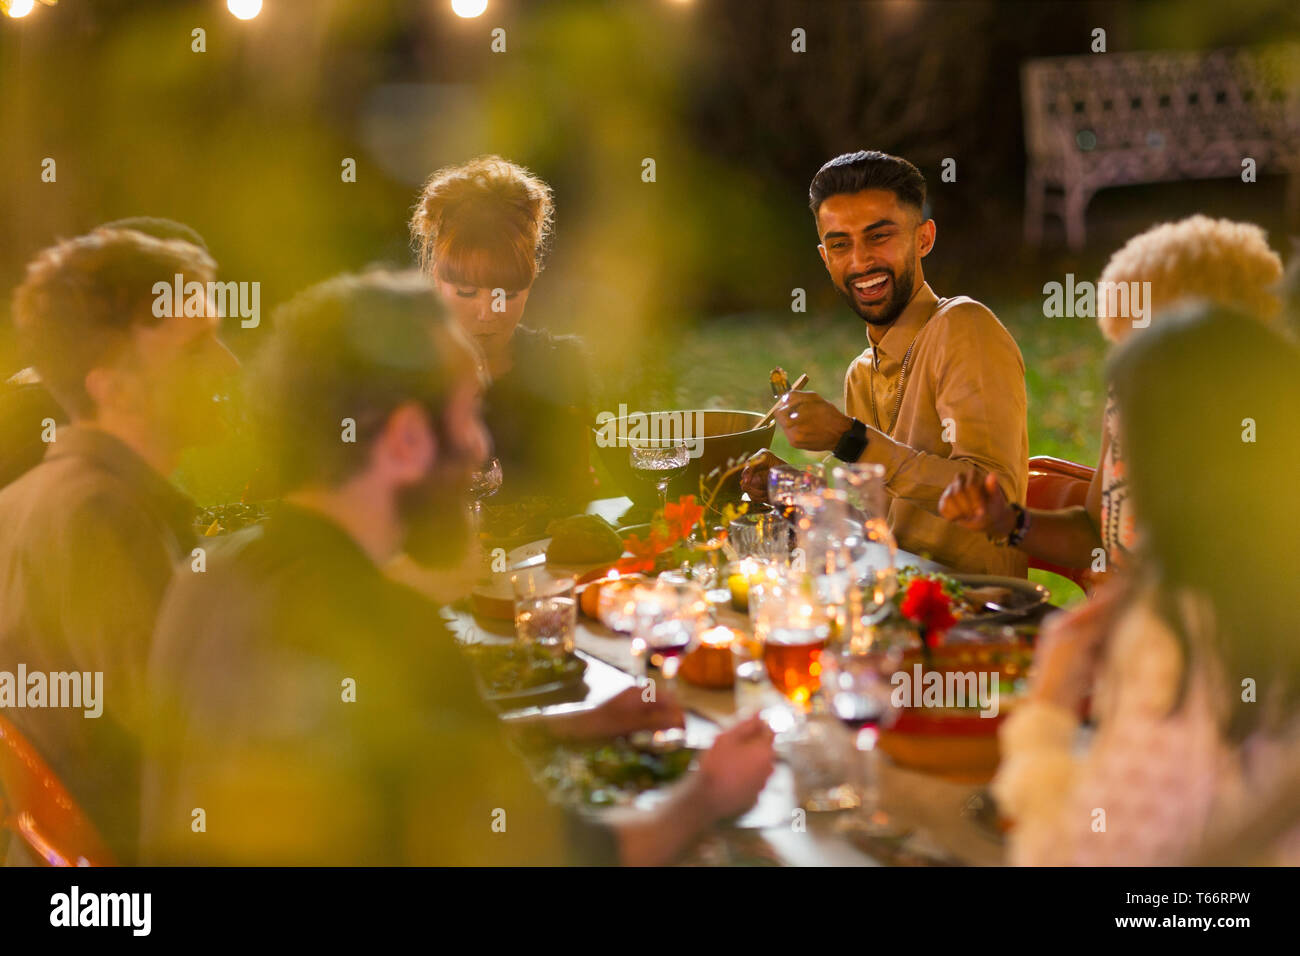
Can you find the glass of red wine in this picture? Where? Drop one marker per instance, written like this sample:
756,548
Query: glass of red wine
857,687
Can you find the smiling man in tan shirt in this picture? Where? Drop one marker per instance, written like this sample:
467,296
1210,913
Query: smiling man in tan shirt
939,390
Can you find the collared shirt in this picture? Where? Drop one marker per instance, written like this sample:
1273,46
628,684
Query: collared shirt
963,410
321,714
88,540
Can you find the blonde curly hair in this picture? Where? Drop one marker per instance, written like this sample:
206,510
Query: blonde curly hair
483,223
1224,262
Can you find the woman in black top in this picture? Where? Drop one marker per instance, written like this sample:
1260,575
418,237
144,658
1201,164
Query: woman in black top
481,230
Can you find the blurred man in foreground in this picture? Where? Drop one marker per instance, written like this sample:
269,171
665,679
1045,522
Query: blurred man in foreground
310,710
25,402
89,536
939,391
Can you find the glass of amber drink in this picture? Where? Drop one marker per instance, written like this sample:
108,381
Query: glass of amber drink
795,630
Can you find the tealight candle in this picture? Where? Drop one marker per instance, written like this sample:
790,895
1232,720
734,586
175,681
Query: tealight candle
738,579
718,637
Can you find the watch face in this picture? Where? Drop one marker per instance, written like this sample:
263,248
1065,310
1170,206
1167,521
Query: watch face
852,443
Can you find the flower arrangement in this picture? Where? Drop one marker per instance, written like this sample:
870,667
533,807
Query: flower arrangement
679,530
927,605
668,543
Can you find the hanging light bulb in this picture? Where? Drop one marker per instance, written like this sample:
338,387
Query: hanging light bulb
244,9
468,8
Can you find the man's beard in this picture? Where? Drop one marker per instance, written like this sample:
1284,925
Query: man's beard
436,518
886,312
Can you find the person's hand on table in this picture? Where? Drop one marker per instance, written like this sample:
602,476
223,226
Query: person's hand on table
627,712
1070,648
810,422
735,769
624,713
753,480
978,504
731,776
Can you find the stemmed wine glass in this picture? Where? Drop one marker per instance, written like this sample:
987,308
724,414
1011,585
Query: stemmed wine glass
669,615
795,629
857,686
659,463
484,483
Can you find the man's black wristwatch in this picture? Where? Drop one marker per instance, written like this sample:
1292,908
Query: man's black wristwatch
852,443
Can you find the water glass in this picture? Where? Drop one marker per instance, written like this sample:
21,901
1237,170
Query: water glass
828,769
785,483
546,610
764,535
864,484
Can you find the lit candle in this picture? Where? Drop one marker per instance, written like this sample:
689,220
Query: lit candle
718,637
738,583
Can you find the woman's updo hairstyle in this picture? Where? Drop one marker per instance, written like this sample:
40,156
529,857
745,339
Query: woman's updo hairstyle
484,223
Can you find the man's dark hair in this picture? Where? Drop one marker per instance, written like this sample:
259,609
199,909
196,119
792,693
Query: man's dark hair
79,299
159,228
868,169
353,347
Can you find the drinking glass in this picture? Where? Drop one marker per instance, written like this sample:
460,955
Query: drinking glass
751,683
546,610
764,535
659,463
669,617
864,484
616,605
830,540
765,579
827,768
857,686
794,632
876,565
857,678
785,483
484,483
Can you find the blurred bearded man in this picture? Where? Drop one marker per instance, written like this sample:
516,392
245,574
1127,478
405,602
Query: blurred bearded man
89,537
940,389
317,711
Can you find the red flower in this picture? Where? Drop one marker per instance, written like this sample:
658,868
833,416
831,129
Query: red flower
928,605
643,553
682,516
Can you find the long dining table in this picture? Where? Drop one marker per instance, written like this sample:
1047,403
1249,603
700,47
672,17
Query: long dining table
929,819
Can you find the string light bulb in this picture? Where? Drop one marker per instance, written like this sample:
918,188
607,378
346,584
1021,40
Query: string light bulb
468,8
244,9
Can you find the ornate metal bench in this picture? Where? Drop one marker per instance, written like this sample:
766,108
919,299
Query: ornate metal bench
1118,119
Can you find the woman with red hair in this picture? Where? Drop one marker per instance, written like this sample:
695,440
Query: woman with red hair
481,230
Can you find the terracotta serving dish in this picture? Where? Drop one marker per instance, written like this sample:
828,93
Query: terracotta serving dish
957,744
